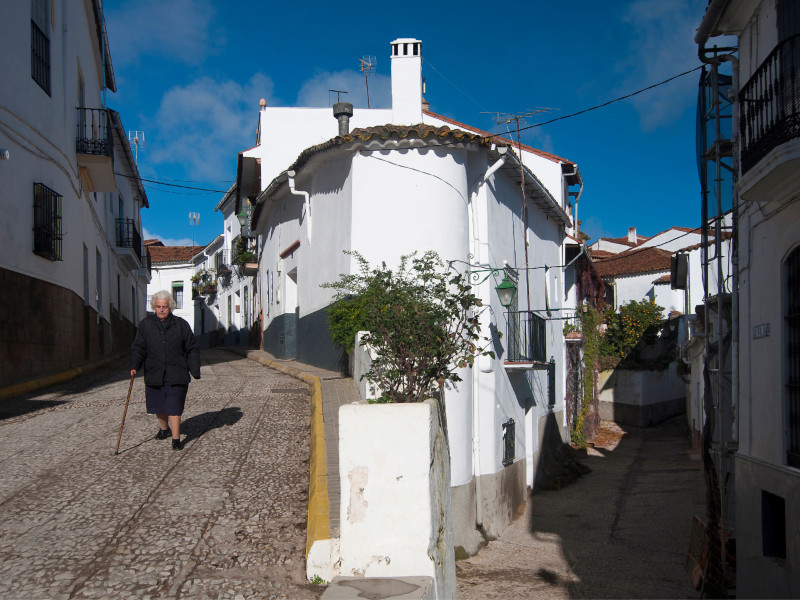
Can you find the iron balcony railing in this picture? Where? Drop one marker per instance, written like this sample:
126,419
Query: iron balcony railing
222,263
769,112
94,132
129,237
526,337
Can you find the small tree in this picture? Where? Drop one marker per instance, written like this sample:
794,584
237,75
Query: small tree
634,325
419,319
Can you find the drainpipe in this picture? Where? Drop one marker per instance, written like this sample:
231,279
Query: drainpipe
475,243
307,204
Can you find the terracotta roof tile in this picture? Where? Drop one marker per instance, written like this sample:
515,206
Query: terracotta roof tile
172,254
662,279
496,137
631,262
601,254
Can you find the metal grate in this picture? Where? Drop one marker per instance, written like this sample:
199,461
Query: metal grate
40,57
793,356
770,103
527,341
47,234
94,133
509,442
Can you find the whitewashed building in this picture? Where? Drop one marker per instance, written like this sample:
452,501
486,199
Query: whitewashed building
72,266
235,264
762,433
172,271
424,182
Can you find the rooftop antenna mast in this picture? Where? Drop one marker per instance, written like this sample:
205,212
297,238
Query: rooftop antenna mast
368,66
136,139
194,219
521,118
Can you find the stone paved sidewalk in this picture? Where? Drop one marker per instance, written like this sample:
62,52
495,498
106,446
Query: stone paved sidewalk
224,518
622,531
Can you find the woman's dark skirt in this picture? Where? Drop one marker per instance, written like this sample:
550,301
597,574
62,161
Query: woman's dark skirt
165,399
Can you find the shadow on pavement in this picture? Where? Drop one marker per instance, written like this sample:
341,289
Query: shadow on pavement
623,526
194,427
16,407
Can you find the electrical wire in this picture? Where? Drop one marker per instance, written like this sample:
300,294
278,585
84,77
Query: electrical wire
185,187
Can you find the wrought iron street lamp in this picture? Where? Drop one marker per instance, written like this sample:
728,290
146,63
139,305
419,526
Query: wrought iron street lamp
506,291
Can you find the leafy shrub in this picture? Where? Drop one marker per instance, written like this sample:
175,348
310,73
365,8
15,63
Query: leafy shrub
636,324
420,320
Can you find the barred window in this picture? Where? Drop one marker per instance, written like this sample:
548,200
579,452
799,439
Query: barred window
46,222
40,43
792,349
177,293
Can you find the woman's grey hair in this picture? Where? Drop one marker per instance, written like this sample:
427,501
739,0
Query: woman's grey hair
162,295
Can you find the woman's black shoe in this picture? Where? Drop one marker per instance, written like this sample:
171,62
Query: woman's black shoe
163,434
177,445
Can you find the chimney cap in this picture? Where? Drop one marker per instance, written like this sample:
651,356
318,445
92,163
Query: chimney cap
342,108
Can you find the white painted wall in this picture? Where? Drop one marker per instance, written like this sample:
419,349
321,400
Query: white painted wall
39,130
164,275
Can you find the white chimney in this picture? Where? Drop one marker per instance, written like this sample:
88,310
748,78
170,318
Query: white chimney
632,235
406,81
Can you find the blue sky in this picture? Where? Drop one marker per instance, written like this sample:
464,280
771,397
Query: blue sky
190,74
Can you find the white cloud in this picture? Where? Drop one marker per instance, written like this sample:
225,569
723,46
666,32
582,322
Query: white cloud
202,126
146,235
314,92
178,30
661,44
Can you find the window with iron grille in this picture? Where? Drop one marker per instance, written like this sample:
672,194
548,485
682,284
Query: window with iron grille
792,350
509,442
46,222
40,43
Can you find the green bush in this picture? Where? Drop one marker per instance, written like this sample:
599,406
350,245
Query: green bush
636,324
420,320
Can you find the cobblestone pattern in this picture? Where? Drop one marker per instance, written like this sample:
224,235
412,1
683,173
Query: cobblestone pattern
224,518
621,531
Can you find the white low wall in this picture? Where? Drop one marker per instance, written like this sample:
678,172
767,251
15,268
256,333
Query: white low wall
362,362
395,483
641,398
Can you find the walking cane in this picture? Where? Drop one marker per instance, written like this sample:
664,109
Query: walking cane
125,412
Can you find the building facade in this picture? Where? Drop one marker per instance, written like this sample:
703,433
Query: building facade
756,435
72,269
331,182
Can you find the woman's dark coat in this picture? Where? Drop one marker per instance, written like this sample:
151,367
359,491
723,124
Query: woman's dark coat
167,348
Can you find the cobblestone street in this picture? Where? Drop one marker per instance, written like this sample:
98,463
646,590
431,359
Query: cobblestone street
223,518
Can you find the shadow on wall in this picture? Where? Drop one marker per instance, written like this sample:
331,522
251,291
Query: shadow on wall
558,463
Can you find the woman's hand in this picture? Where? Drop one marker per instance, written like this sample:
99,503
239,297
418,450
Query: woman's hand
133,372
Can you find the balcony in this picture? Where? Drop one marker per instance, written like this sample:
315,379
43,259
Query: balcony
769,123
222,263
94,147
527,342
129,245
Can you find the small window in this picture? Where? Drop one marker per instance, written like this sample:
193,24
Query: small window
773,525
46,222
40,43
177,294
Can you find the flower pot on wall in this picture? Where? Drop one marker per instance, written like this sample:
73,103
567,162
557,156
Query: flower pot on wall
395,515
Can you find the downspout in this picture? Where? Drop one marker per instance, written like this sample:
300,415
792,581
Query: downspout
734,254
475,242
306,205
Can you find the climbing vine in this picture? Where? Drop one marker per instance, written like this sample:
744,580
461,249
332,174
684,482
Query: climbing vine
590,325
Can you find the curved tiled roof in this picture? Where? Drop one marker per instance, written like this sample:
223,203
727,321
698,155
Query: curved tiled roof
498,139
632,262
172,254
424,135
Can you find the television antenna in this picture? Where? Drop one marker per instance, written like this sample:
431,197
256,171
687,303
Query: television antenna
135,140
368,66
518,119
194,219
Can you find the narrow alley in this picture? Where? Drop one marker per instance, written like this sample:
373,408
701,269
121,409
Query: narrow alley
622,531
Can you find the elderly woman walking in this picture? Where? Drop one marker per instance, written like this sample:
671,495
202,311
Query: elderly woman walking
167,348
